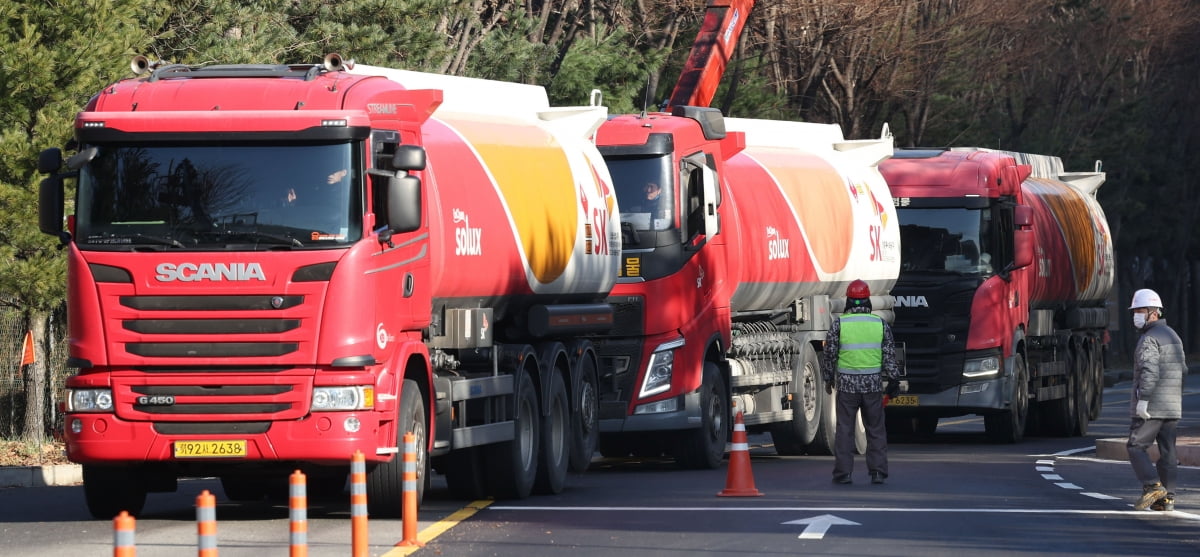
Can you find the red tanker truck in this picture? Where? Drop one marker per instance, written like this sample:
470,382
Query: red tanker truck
1006,267
729,277
273,267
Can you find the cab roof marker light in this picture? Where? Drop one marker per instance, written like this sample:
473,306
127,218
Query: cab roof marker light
333,123
93,124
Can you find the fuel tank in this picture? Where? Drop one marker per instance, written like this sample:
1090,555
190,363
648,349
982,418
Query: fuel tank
521,204
1073,252
811,213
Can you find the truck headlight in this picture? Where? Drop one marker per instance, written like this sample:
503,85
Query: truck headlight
89,400
659,370
978,368
327,399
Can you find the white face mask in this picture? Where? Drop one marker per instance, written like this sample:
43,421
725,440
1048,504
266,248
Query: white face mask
1139,320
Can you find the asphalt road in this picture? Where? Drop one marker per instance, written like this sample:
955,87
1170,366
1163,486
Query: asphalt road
955,494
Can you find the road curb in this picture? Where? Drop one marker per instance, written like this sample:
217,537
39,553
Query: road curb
41,476
1114,449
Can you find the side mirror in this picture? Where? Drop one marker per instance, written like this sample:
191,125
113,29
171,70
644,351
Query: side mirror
408,157
1022,248
1022,216
50,206
50,160
404,203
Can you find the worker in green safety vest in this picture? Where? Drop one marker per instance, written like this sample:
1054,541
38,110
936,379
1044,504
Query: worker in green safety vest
859,357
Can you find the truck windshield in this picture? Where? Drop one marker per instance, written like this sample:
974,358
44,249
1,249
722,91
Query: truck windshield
220,196
644,191
955,240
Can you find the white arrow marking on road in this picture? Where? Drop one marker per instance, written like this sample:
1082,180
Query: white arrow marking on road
818,525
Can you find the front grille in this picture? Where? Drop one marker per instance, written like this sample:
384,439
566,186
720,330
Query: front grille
210,303
210,326
223,394
210,349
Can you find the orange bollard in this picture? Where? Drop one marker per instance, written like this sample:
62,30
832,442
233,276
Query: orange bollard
358,505
123,545
740,481
206,524
298,514
409,480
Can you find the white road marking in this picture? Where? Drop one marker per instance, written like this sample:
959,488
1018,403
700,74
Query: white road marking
816,526
1044,468
1066,485
1052,477
850,509
1095,495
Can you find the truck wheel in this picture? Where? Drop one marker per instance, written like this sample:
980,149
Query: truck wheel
1059,415
555,443
860,434
109,490
1084,391
703,448
385,482
1096,366
585,421
1008,426
827,411
513,464
791,437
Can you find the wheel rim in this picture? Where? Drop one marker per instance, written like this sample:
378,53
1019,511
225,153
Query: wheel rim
558,428
715,415
809,397
587,408
526,432
418,430
1022,391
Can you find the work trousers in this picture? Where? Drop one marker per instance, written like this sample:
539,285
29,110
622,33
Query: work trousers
1141,434
848,405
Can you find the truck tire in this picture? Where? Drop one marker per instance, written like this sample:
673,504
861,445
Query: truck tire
1008,426
513,464
860,434
1060,416
1084,391
585,421
822,444
703,448
385,482
1096,364
109,490
790,438
555,447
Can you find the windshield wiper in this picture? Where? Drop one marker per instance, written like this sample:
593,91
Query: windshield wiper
148,238
260,235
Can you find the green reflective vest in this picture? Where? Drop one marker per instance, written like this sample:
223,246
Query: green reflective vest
860,351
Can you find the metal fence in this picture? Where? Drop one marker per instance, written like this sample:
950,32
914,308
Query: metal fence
12,380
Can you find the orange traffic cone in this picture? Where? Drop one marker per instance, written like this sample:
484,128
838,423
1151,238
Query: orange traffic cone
740,481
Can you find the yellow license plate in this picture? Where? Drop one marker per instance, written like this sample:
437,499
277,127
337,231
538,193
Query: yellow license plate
904,400
210,449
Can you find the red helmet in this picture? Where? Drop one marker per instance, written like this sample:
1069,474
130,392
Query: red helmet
858,290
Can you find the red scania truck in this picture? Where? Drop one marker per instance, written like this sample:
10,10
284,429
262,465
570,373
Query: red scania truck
1006,267
729,279
273,267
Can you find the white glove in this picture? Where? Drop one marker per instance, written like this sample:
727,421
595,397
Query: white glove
1143,409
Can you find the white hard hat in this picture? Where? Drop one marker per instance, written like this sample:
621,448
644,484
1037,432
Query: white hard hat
1146,298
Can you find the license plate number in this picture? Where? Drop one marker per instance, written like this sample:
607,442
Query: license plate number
904,400
210,449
